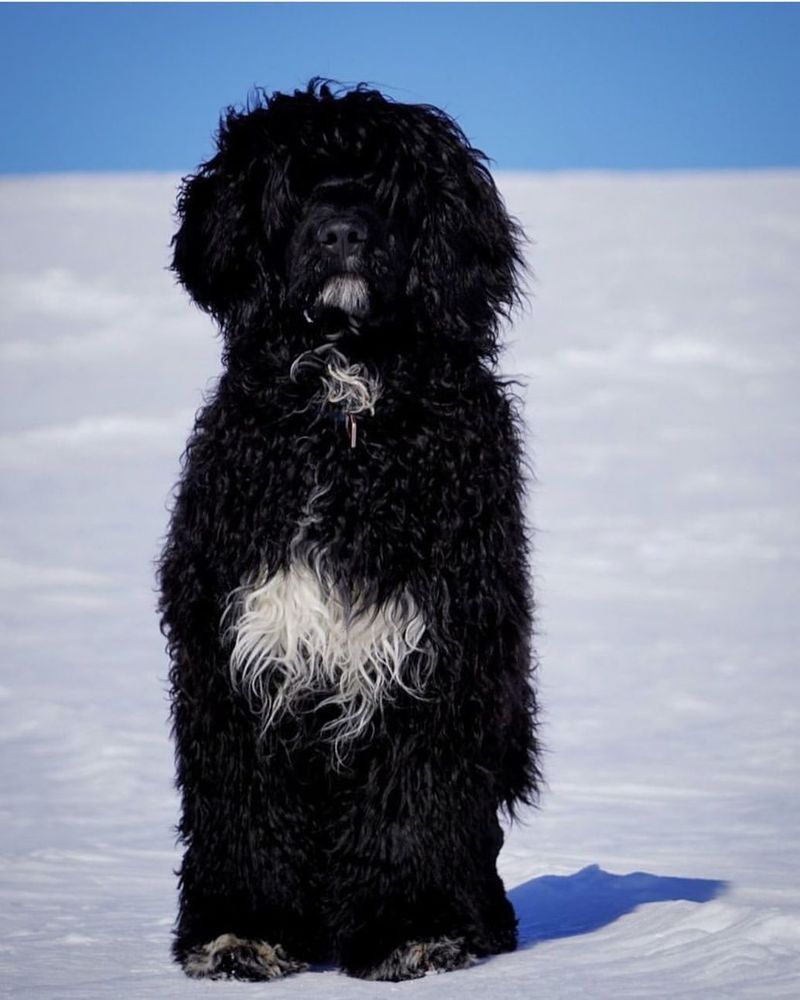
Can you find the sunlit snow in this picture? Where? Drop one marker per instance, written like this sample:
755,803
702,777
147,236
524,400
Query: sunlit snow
660,368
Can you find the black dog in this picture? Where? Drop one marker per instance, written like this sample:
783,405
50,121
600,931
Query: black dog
345,584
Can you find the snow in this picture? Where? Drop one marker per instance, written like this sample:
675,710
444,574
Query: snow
659,363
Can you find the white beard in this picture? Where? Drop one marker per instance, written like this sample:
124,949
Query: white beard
348,292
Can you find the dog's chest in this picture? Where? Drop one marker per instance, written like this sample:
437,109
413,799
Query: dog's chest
315,602
348,503
306,634
308,624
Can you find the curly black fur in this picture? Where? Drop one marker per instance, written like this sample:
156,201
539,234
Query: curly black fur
381,857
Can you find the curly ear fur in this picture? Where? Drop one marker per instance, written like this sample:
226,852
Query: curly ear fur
237,211
467,256
229,211
206,254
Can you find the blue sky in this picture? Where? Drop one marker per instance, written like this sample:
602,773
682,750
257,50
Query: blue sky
538,86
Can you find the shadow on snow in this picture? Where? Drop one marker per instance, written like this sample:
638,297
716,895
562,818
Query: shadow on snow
555,906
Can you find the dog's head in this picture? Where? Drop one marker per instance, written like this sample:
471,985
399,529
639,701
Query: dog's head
324,210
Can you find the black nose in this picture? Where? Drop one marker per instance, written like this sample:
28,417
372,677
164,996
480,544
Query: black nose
342,237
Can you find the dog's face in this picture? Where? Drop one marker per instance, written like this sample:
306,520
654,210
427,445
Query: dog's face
346,256
324,211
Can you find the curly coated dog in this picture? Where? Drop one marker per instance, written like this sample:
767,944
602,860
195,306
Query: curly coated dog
344,587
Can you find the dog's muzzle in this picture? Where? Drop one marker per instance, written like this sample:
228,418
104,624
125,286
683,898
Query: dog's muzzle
347,292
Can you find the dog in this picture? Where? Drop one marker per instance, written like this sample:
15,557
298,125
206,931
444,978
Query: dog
344,587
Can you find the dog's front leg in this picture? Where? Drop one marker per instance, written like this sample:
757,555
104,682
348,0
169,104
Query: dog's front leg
246,905
415,868
246,909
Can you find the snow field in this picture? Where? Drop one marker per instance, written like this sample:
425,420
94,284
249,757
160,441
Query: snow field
659,361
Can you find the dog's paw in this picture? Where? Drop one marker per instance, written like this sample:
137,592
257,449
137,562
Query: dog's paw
415,959
232,957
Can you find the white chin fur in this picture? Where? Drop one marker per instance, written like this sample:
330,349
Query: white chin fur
293,636
348,292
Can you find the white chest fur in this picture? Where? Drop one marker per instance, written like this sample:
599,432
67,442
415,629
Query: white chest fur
293,637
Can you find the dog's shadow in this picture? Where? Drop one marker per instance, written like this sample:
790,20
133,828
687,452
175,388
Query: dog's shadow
556,906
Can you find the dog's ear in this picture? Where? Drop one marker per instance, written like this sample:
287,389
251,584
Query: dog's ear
468,258
229,213
207,248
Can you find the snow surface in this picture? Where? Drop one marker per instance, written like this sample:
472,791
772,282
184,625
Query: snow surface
660,362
